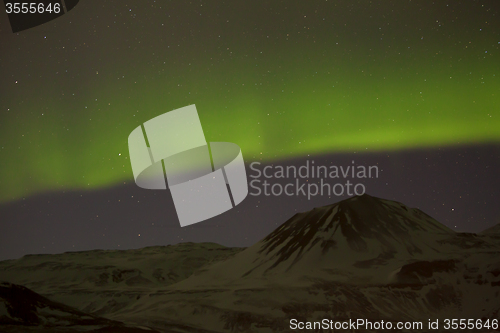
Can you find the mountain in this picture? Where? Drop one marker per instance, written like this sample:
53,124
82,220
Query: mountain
361,258
346,241
68,277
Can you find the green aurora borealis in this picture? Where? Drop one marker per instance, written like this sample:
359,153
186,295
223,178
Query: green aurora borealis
279,82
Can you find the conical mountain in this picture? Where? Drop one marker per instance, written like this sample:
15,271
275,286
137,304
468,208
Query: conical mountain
353,237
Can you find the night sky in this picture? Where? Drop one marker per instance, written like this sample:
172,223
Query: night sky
410,86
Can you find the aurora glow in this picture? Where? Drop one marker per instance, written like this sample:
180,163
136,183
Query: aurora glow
282,82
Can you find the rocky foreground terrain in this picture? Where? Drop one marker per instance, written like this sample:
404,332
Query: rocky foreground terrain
362,258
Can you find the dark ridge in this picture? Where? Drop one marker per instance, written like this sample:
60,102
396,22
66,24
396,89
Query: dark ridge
22,305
